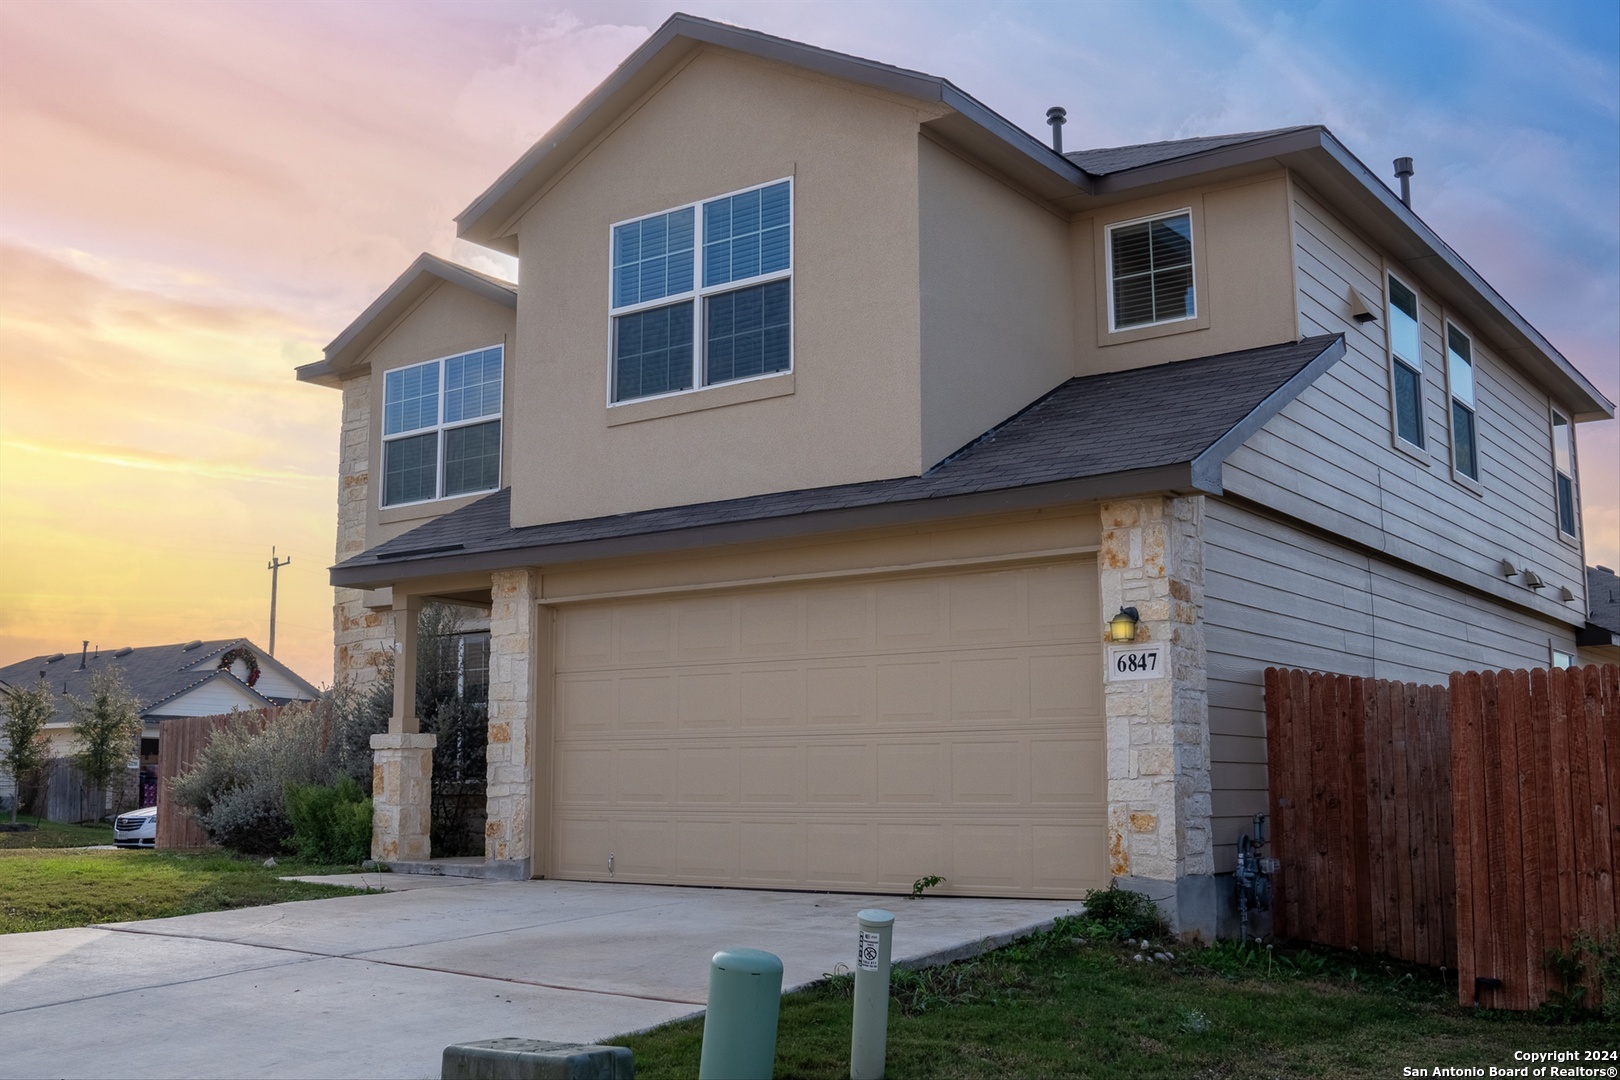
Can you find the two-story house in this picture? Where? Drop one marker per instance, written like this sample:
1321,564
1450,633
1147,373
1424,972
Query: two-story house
806,473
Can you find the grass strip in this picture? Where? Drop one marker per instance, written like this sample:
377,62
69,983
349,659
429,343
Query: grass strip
1075,1002
47,889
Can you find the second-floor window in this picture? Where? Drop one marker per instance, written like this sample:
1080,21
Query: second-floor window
1150,271
1406,362
702,294
1563,439
442,427
1464,425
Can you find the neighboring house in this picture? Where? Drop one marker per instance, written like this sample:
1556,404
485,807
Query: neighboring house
834,419
197,678
1598,642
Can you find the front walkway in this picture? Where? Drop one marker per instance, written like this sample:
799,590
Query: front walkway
377,986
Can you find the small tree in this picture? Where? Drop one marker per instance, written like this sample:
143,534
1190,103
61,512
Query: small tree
107,725
26,713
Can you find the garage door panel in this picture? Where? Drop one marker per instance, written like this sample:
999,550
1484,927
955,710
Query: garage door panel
706,851
911,773
707,775
1067,772
988,688
771,775
840,774
911,694
584,776
989,773
705,630
909,614
1069,859
771,852
771,624
908,852
838,620
990,858
841,695
771,697
641,776
707,701
840,853
838,735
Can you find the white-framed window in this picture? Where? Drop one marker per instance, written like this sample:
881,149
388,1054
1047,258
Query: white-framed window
1150,271
702,294
442,427
1405,361
1561,659
1563,442
1464,420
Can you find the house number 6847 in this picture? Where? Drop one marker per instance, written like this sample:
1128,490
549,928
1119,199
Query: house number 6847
1133,662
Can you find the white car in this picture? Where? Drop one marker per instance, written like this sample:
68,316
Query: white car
138,828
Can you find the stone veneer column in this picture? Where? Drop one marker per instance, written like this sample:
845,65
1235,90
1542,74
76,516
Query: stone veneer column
362,637
1152,559
510,782
401,802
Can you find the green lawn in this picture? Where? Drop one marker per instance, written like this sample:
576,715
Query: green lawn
1051,1008
46,889
53,834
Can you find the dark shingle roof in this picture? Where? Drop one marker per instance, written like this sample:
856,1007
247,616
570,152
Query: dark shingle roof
1113,159
154,674
1190,413
1603,598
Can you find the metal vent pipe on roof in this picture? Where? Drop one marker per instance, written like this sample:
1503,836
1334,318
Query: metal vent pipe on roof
84,656
1404,170
1057,116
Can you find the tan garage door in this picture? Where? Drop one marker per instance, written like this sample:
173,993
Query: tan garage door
844,736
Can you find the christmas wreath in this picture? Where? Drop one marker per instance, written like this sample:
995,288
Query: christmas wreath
246,656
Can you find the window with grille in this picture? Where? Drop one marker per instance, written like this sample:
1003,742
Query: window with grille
1150,271
442,427
1406,362
702,294
1563,439
1464,425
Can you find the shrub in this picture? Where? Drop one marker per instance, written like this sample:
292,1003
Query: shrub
1123,913
237,786
331,823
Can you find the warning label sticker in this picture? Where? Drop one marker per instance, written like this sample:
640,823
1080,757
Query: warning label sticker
866,954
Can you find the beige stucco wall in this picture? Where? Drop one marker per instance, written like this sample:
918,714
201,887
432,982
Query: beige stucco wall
1244,277
996,290
720,123
447,321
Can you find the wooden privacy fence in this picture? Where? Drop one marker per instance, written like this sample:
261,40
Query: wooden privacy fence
1536,770
180,740
1361,814
1467,827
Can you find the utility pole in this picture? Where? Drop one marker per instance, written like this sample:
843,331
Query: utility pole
275,572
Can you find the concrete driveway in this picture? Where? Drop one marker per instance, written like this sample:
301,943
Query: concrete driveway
378,985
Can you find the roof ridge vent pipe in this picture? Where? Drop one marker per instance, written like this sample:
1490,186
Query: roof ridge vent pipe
1057,116
1403,172
84,655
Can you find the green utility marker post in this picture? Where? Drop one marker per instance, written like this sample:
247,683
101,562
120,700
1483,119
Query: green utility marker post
739,1029
868,1044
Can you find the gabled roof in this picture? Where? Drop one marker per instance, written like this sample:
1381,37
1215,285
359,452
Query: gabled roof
1073,182
423,275
491,217
1182,420
154,674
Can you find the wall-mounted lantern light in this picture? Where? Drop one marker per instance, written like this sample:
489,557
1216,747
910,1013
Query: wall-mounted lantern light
1122,627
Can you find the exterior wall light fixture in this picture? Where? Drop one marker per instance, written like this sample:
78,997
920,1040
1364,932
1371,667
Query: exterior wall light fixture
1122,627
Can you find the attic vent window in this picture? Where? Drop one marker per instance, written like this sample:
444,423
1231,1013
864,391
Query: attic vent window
676,329
1150,271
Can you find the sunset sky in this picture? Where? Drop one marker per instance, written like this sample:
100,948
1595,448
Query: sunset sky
196,197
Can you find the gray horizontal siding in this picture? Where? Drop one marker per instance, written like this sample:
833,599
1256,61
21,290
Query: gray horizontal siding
1276,595
1328,458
